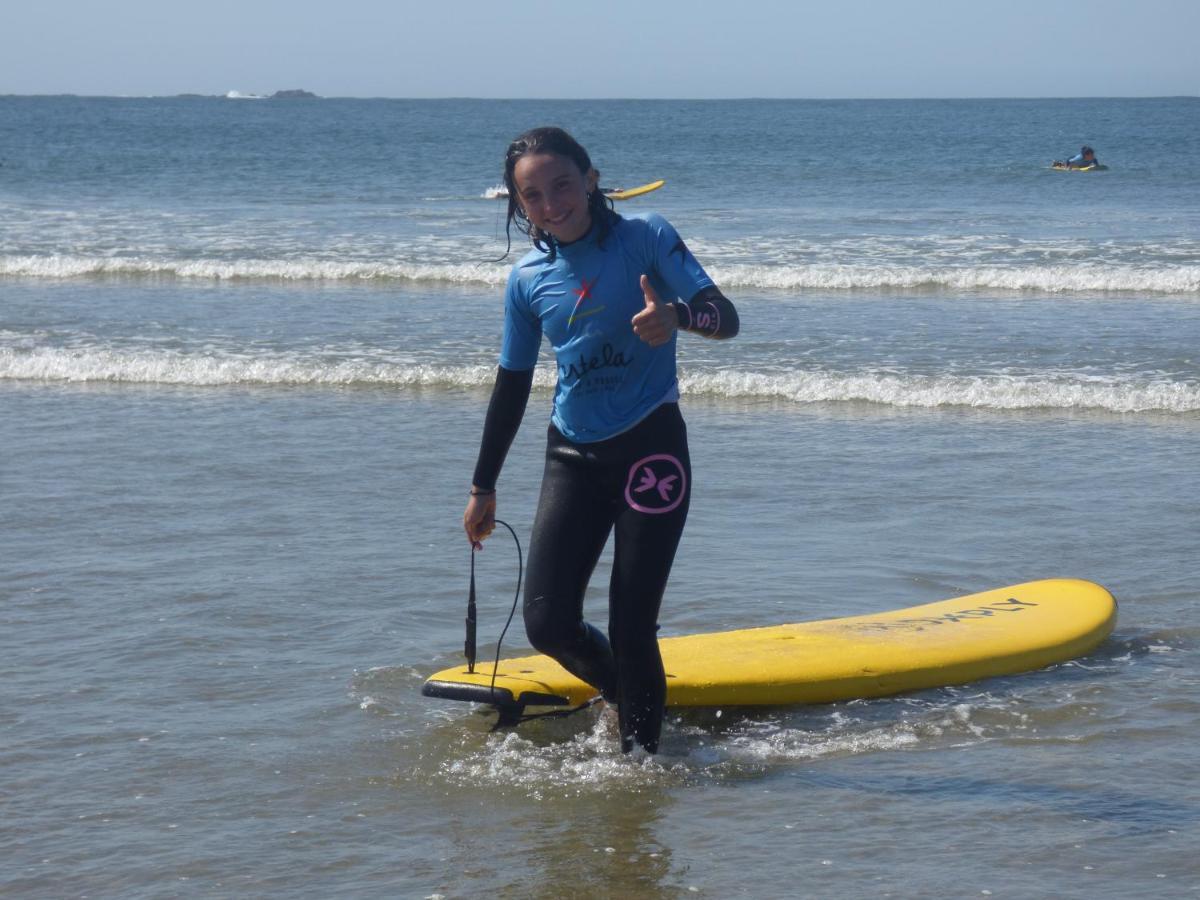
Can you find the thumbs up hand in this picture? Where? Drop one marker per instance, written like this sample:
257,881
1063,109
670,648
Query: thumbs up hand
658,321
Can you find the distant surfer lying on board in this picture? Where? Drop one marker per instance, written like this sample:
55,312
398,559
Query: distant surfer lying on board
610,293
1084,159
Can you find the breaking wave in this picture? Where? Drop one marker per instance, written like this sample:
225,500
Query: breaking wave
1053,279
1047,391
1042,279
66,267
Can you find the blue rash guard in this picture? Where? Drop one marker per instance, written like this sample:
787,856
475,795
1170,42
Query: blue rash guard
583,299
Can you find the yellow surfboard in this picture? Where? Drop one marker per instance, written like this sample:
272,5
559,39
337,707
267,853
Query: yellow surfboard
627,193
999,632
500,192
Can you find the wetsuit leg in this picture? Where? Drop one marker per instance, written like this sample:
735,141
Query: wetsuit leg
569,532
657,491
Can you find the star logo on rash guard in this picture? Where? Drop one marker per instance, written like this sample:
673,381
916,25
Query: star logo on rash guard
583,292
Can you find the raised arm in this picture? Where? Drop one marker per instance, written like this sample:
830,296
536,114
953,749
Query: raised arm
709,313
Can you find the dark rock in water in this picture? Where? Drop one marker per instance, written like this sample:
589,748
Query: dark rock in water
294,95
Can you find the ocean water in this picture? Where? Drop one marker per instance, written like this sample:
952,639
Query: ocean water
245,351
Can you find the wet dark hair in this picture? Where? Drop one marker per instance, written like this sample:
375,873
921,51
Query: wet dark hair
555,141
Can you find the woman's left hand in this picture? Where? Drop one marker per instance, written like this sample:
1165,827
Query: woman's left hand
658,321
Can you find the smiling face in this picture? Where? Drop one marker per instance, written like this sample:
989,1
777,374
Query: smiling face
553,192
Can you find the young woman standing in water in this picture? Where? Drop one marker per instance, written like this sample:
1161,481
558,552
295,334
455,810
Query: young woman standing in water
610,293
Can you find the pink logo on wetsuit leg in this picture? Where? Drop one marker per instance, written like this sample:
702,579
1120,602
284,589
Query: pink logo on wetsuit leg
656,484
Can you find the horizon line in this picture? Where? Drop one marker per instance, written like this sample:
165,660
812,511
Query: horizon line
749,98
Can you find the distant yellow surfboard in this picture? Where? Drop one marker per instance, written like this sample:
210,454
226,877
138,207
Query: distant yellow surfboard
999,632
627,193
500,192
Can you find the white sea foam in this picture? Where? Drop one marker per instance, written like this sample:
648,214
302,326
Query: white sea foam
203,370
1055,279
1044,279
63,267
19,361
993,391
792,744
587,761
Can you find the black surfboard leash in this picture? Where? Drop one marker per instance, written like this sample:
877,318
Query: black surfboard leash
469,644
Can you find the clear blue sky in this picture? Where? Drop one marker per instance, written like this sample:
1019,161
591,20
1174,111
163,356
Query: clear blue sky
621,48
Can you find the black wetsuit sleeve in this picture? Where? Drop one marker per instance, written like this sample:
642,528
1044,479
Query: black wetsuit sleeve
507,407
710,314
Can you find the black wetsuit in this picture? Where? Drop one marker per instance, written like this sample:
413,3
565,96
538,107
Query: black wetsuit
639,484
